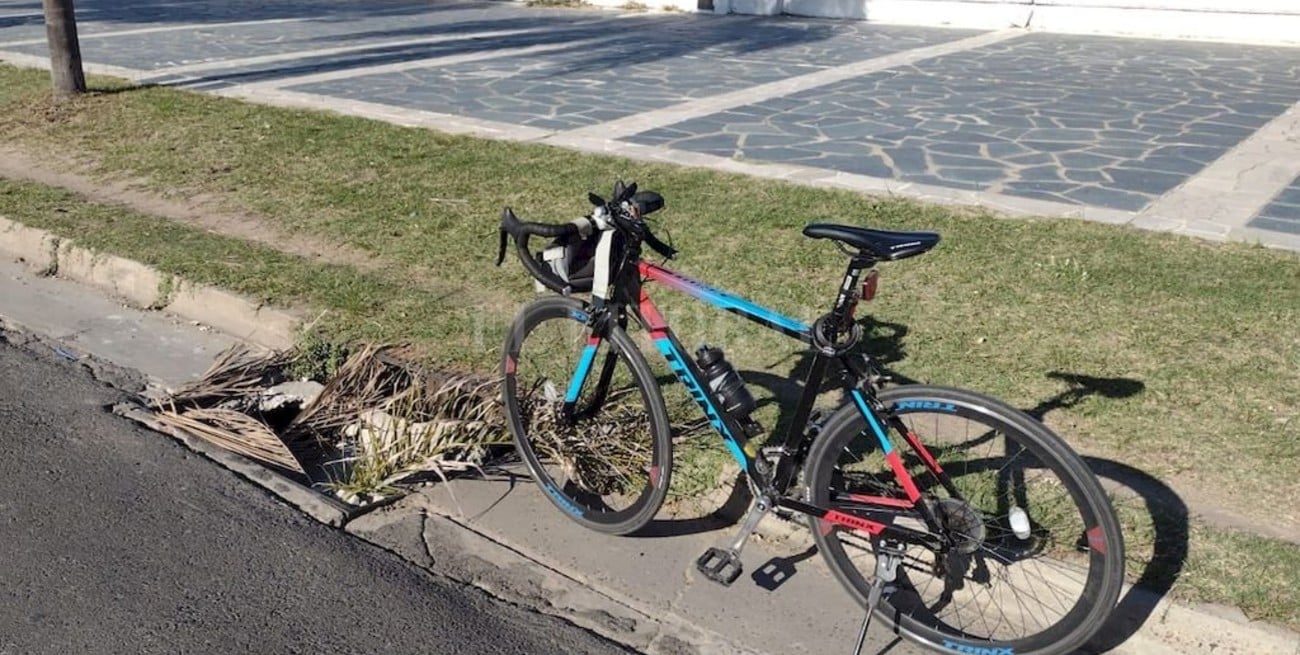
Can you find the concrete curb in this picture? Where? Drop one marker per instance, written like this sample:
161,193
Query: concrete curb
311,503
145,287
451,546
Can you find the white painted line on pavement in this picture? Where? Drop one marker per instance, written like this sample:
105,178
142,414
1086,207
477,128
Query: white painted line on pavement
397,115
35,61
163,28
1235,187
341,50
713,104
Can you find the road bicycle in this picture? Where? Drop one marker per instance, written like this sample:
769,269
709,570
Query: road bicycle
962,522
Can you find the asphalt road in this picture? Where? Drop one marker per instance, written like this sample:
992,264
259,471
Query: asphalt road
114,539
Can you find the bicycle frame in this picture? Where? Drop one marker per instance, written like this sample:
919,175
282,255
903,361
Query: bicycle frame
795,445
851,471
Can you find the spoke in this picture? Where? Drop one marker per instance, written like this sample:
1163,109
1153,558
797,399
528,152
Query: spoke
1027,585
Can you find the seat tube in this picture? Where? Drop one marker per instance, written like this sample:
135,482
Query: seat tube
797,434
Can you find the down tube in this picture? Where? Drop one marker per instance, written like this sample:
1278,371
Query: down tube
668,345
580,375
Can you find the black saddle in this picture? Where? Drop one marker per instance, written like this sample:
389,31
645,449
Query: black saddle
882,245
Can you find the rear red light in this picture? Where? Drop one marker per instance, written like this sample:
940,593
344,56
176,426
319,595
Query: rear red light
870,284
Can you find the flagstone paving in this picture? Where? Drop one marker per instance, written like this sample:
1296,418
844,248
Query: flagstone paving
1190,137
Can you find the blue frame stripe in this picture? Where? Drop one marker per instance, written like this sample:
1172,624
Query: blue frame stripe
670,353
885,445
580,375
724,300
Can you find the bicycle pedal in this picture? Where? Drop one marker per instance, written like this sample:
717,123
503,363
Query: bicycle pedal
720,565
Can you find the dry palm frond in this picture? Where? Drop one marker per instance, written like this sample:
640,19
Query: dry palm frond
237,432
424,428
603,457
374,378
362,383
388,418
237,372
388,450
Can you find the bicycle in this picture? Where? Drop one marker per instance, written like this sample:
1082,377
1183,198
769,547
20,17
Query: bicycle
964,523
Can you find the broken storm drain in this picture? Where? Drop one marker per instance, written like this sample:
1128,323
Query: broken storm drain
365,432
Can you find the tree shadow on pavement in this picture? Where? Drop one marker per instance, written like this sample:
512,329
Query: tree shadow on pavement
584,42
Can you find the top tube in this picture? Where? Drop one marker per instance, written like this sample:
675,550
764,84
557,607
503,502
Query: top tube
728,301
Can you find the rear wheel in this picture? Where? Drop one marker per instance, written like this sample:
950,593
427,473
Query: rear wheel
1036,561
606,465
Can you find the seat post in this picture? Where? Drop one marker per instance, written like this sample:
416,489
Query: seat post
847,299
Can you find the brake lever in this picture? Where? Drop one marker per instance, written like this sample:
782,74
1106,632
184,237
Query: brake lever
658,246
509,223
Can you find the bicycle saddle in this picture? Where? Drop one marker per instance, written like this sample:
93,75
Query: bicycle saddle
884,245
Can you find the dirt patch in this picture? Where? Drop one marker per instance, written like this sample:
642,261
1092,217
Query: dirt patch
1204,501
197,211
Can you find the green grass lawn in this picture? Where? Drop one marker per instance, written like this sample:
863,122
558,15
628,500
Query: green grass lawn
1184,355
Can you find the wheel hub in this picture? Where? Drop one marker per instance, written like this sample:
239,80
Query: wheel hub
962,524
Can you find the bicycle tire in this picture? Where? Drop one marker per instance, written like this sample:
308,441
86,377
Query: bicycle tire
610,468
1092,556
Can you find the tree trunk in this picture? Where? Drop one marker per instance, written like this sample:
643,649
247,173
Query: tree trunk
65,51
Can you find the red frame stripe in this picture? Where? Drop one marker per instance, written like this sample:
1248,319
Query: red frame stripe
926,457
904,478
884,501
854,522
654,321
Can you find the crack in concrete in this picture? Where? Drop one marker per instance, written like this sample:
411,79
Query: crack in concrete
424,534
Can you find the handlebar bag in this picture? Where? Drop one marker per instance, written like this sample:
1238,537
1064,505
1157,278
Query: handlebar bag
573,261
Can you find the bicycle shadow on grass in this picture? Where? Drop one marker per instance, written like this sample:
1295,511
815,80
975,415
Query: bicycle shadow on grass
1132,491
1158,567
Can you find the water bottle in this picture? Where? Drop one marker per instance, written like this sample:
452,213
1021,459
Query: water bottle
725,382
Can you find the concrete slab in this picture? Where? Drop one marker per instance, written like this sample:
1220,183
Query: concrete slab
655,576
169,350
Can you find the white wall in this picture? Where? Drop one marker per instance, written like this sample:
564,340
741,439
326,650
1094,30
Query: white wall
1275,22
1245,21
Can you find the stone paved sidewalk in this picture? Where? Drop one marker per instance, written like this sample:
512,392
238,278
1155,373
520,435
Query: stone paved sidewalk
1182,136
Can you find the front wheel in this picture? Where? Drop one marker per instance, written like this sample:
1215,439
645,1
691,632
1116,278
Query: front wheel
587,417
1035,560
